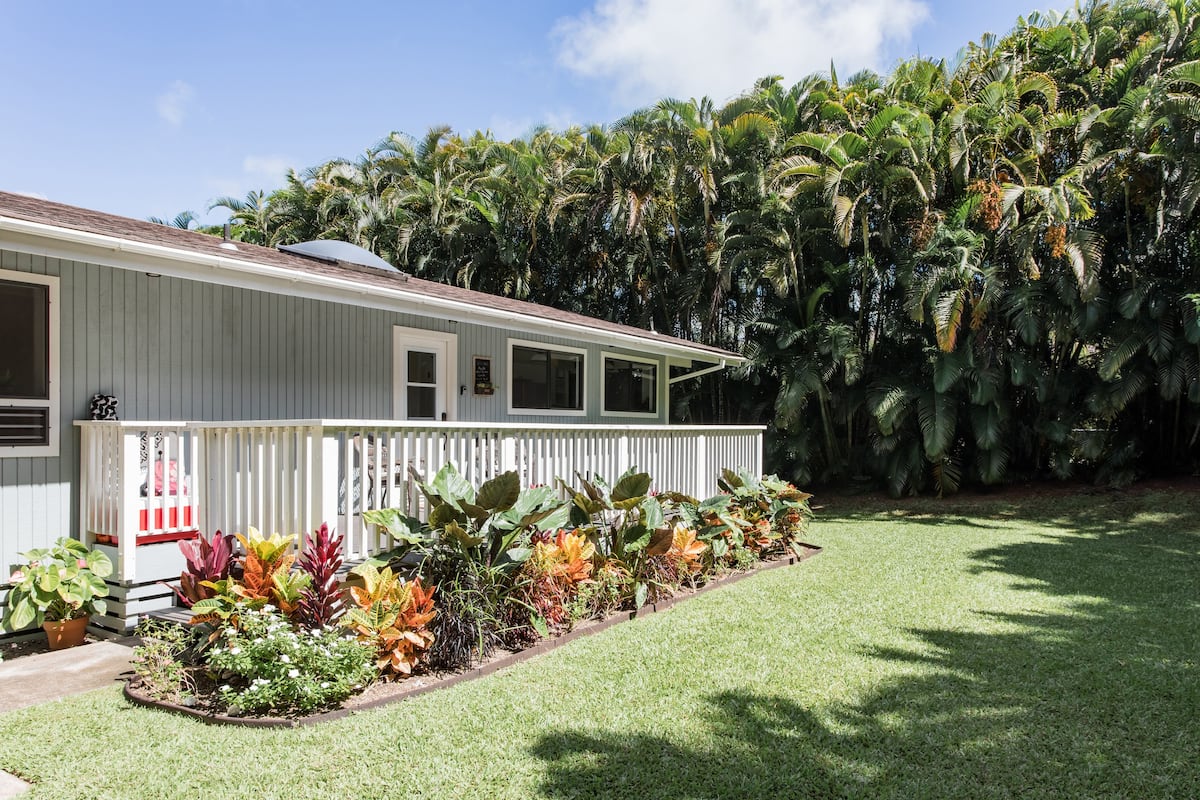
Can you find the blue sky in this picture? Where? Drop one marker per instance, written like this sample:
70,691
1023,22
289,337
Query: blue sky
141,108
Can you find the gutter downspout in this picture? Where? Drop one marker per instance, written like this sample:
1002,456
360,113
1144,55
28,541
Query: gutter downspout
688,376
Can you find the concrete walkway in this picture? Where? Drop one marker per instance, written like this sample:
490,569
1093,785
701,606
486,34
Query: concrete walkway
40,678
11,786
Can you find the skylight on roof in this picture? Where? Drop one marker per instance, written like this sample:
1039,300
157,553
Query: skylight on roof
334,251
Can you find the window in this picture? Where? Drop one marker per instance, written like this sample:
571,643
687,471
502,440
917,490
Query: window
630,386
28,364
544,378
422,385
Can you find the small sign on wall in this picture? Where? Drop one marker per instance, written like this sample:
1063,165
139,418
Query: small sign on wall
483,375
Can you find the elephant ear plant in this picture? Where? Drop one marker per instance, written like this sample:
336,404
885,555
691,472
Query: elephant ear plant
472,546
628,525
491,525
57,584
769,511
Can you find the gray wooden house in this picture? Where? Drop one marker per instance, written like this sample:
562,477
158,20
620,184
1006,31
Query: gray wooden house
280,389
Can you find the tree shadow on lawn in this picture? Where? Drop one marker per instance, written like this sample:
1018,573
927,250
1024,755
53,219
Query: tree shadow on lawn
1097,701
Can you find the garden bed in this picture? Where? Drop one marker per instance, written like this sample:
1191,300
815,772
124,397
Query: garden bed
384,693
487,577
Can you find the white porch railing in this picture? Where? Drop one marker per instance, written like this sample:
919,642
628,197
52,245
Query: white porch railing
148,482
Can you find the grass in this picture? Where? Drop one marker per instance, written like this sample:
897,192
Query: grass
997,647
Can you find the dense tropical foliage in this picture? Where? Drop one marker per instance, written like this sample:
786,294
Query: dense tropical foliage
966,272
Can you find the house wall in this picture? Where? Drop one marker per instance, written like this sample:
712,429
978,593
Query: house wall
174,349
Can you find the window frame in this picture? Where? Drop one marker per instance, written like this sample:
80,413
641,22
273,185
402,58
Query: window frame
547,412
605,355
53,366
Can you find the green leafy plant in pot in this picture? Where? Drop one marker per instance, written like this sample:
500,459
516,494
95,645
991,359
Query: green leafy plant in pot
59,587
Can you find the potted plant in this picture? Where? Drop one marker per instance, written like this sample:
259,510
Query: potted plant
59,587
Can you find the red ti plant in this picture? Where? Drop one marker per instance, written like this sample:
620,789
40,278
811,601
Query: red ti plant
321,603
206,560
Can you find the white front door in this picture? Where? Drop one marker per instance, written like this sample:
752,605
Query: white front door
424,369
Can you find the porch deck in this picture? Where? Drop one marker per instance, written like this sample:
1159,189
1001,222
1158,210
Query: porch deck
146,484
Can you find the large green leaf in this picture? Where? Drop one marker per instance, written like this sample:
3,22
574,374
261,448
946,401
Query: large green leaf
652,513
535,500
714,504
443,515
99,563
636,538
451,486
631,486
402,528
48,582
589,506
22,612
500,493
453,532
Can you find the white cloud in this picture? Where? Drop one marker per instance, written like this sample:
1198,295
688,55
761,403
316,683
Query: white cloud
271,168
172,104
688,48
265,172
506,128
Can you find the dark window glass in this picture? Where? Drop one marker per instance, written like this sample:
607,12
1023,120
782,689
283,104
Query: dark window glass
421,402
24,340
547,379
630,386
422,367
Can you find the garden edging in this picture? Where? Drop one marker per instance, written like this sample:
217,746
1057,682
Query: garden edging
134,696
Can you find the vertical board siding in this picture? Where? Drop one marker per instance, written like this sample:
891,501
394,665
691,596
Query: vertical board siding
174,349
177,349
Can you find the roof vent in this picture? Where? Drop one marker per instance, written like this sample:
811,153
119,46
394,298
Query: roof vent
226,242
334,252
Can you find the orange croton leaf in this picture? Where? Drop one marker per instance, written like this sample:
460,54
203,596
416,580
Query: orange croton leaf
256,576
577,553
686,548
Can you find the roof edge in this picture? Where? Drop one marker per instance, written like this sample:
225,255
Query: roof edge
124,253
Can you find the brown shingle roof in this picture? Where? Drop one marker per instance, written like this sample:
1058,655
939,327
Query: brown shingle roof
45,212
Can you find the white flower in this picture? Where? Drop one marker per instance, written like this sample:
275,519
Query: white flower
324,684
285,658
293,673
268,608
225,687
233,651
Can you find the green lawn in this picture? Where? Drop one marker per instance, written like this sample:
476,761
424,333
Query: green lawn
996,647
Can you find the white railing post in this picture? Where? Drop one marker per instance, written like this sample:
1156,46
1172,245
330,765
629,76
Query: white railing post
702,477
325,475
87,456
623,459
508,453
128,491
200,480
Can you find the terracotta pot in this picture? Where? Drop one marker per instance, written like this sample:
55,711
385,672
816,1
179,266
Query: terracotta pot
62,635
